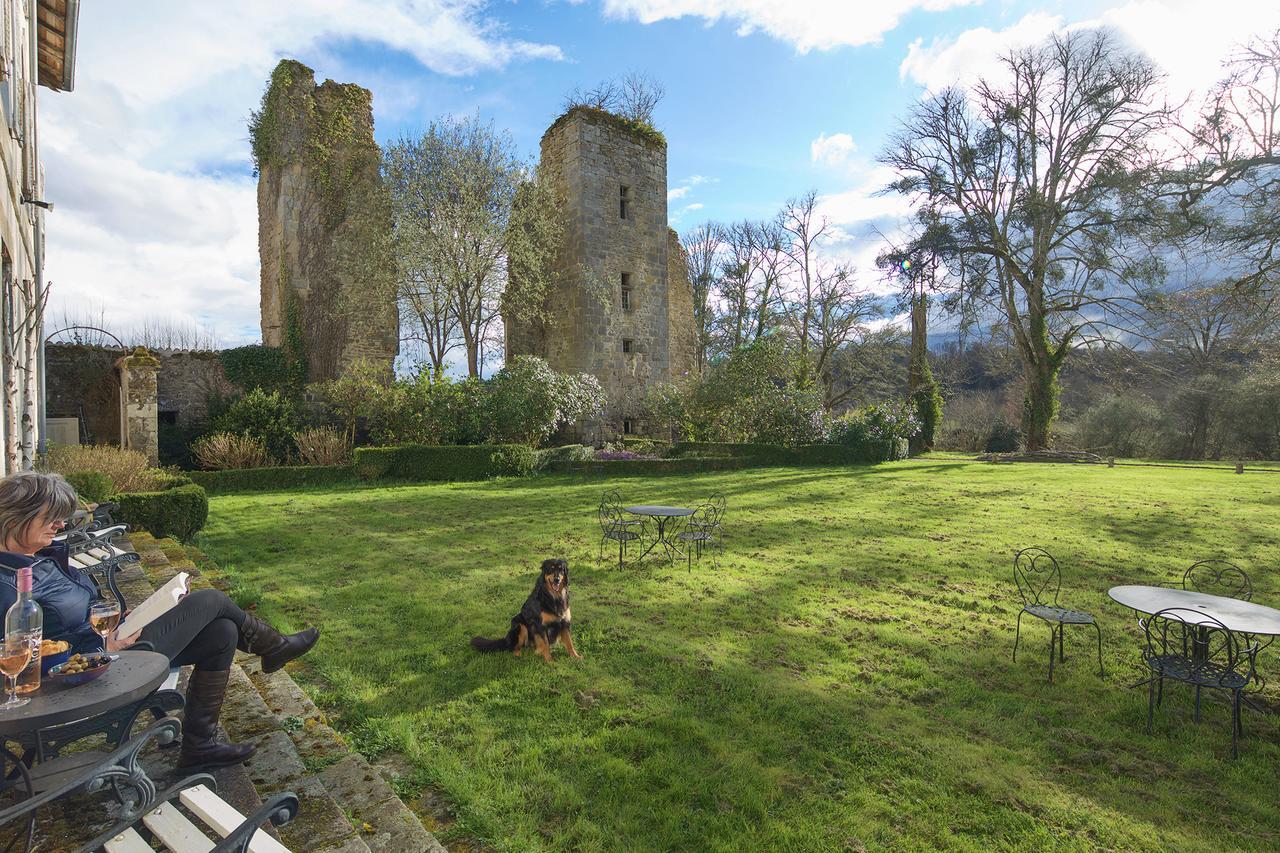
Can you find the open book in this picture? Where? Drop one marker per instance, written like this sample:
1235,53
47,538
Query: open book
161,602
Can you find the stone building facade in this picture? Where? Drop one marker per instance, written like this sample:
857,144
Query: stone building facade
324,225
37,49
624,304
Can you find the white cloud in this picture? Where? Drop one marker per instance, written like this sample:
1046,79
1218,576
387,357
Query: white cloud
686,186
834,150
974,53
1189,45
148,159
805,24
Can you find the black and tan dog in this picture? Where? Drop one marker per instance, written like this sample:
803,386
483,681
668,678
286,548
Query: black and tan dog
543,620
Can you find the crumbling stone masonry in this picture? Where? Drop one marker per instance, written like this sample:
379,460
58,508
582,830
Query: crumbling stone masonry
324,225
623,304
139,424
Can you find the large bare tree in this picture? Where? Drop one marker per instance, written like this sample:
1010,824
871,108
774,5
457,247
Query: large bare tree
1229,189
460,230
1033,173
823,304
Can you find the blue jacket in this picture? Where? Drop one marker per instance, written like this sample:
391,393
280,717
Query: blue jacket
64,592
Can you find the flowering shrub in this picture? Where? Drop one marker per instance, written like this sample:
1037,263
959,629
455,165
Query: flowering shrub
880,422
527,401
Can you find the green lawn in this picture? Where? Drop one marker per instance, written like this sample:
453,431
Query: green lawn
842,679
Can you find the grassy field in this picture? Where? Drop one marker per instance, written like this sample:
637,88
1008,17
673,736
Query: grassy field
843,679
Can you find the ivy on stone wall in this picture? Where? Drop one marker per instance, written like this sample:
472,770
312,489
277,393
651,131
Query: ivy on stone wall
331,123
256,366
293,351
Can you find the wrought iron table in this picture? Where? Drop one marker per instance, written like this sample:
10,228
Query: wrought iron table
663,514
1239,616
58,715
1236,614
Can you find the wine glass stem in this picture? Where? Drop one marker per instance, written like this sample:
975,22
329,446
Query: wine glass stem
13,688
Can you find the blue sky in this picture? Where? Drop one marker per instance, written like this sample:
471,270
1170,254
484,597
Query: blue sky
148,162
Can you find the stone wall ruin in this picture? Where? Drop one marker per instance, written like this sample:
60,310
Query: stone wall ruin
324,225
624,303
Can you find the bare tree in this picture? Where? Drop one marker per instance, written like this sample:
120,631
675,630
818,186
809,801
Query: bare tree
1035,177
703,248
21,314
634,96
454,196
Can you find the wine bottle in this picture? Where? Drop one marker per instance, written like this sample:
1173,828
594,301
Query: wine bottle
25,617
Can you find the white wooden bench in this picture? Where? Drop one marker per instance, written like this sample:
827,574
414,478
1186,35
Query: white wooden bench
188,817
177,833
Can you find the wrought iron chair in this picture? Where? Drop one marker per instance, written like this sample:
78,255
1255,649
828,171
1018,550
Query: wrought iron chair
615,527
1218,577
1192,647
1222,577
701,531
614,500
1039,581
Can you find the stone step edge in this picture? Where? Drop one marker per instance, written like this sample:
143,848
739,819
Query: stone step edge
314,739
318,808
364,791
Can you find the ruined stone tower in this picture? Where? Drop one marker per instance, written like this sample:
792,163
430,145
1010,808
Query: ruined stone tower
624,305
324,225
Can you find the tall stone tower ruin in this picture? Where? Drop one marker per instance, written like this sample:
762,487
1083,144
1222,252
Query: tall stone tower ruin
324,225
624,303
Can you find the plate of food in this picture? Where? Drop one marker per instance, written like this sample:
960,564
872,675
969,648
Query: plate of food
52,653
79,669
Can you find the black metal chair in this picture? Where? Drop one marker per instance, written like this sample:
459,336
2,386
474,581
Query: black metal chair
701,531
1039,581
1190,646
1218,577
616,527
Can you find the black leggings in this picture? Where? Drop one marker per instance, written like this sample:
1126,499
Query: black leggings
202,629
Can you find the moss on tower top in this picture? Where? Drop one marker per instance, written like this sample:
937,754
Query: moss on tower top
299,120
641,130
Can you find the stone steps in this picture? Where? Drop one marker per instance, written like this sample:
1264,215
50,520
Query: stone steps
347,806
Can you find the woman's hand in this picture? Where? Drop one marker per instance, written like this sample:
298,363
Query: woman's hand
115,643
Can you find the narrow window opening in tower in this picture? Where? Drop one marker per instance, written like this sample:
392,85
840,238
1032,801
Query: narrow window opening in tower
626,291
628,345
624,202
628,426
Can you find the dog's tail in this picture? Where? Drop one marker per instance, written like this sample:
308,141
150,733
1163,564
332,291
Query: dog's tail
502,644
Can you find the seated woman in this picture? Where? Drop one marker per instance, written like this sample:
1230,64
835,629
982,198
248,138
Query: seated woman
204,629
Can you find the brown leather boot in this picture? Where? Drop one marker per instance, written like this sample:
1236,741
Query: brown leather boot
259,638
200,746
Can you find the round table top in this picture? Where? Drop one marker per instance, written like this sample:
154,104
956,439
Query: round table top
663,511
1237,614
134,676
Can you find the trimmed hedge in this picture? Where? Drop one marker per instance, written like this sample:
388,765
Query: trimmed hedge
273,479
92,486
712,448
180,511
565,453
421,462
807,454
647,467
